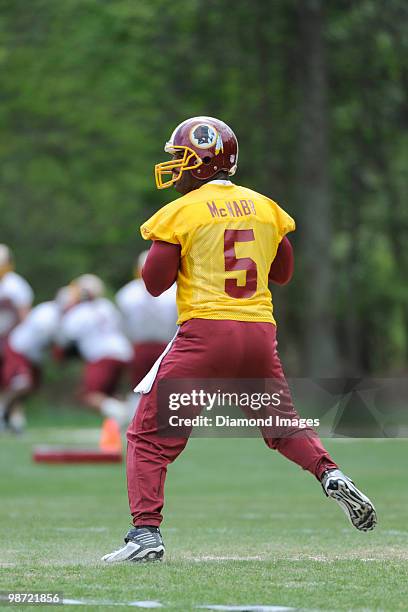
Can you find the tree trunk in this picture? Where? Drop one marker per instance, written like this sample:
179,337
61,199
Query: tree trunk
314,202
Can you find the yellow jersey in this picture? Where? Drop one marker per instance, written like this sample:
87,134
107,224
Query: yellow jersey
229,236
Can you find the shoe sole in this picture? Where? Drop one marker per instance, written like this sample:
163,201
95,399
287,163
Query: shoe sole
137,556
148,557
356,506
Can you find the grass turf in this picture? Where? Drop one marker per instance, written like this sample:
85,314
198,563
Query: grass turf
242,526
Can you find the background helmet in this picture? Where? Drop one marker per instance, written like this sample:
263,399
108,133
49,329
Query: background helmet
90,286
66,297
204,146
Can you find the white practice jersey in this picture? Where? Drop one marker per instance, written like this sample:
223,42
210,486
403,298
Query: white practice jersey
147,318
15,287
15,293
96,328
33,336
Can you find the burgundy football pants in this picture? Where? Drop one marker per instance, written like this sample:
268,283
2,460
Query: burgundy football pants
209,349
144,356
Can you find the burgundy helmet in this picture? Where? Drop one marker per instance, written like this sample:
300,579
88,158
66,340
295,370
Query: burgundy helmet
205,145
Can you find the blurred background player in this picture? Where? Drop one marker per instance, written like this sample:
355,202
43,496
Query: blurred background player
16,297
24,353
150,322
94,326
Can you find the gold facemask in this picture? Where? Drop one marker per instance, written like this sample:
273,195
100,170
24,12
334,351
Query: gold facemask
189,161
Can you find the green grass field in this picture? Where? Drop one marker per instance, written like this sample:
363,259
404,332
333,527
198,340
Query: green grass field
242,527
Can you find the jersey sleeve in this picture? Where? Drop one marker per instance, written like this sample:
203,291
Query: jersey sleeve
20,291
166,225
284,222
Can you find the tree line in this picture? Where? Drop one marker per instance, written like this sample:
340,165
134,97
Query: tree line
315,92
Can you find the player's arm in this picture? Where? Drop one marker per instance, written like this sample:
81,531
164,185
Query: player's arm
281,270
161,267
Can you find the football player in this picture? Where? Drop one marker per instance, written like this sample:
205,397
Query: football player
219,242
150,322
94,326
16,297
24,354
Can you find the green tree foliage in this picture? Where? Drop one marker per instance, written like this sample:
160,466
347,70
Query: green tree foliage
91,89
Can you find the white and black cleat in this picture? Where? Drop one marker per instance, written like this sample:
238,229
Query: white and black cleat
141,544
353,502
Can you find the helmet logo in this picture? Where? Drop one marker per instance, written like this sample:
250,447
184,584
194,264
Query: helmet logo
203,136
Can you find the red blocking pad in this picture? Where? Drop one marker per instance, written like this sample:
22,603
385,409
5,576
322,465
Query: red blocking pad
52,454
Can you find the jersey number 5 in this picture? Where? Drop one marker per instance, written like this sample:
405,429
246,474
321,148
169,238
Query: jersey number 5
233,264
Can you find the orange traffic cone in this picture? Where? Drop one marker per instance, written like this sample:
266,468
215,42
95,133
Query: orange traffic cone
110,439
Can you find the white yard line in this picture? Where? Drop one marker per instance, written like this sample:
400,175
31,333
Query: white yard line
247,608
156,604
133,604
226,558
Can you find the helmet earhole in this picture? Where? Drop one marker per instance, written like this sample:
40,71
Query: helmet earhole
206,160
